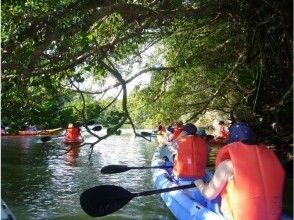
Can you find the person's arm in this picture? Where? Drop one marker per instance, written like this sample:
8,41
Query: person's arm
223,173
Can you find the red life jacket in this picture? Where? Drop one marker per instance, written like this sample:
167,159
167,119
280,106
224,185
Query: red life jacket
255,192
191,159
72,133
176,133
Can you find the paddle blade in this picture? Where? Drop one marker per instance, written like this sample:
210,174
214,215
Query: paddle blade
144,133
114,169
97,128
45,139
105,199
91,122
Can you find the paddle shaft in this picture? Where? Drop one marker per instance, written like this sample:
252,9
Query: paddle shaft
157,191
141,168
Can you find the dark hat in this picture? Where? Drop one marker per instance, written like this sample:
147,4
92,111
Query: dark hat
190,128
241,132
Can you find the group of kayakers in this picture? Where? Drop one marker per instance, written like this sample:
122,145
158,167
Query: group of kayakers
248,179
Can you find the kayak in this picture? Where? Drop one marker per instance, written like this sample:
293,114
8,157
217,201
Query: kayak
6,213
54,131
72,141
186,204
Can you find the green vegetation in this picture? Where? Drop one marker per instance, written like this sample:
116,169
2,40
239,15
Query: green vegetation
230,56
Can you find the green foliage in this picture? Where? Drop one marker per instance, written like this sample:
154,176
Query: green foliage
221,55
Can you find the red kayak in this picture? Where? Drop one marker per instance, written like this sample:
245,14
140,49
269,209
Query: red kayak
73,141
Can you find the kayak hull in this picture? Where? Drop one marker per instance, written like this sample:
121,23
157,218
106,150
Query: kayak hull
186,204
54,131
74,141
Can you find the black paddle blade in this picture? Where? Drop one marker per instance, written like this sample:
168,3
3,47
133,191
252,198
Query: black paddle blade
144,133
105,199
91,122
97,128
114,169
45,139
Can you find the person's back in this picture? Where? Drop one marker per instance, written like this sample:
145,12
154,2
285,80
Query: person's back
258,182
223,132
191,158
248,176
176,130
72,133
160,129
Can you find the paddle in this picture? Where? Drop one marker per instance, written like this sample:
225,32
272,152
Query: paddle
97,128
106,199
110,169
144,133
48,138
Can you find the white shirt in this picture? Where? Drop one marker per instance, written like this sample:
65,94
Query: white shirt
223,173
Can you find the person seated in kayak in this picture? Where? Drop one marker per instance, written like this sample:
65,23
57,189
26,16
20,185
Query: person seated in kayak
72,132
248,176
191,157
175,131
160,129
223,132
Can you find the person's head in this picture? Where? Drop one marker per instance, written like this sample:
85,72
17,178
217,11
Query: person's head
221,123
202,132
179,123
241,132
70,125
190,129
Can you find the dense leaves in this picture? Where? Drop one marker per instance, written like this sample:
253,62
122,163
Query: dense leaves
230,56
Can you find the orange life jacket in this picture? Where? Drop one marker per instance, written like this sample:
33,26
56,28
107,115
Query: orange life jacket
255,192
191,159
72,133
176,133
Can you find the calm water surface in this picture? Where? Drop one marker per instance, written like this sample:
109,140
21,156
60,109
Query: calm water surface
39,182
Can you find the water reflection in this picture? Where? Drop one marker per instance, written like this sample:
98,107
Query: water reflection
71,154
39,181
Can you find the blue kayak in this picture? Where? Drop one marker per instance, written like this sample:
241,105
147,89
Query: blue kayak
6,213
186,204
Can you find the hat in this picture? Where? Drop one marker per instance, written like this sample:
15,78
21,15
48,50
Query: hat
241,132
190,128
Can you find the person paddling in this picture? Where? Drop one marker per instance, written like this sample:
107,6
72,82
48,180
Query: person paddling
223,132
175,131
191,157
72,133
248,176
160,129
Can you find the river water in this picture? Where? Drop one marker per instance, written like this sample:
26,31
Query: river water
39,182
